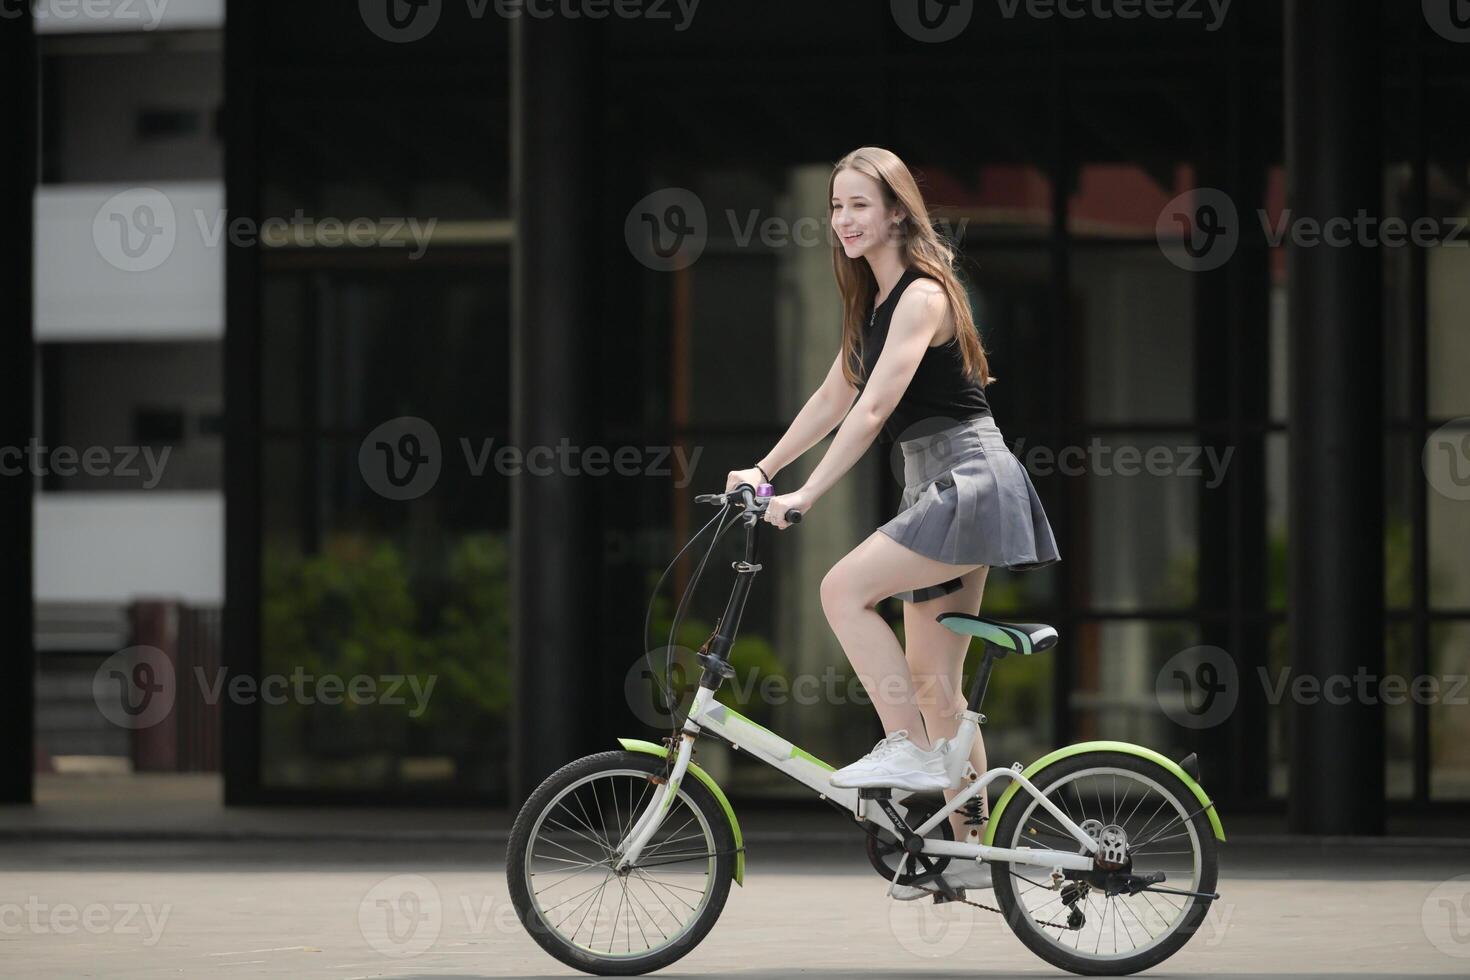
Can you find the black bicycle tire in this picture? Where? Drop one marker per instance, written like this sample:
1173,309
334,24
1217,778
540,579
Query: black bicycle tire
520,841
1019,920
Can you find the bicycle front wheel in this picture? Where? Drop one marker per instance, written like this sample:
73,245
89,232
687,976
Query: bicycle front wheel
1078,926
559,866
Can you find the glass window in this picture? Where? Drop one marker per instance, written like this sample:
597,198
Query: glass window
1449,341
1449,719
1115,670
1449,522
1142,515
1133,335
996,200
1276,517
154,408
1013,298
1398,718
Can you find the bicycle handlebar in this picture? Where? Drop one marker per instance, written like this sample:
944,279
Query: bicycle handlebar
750,498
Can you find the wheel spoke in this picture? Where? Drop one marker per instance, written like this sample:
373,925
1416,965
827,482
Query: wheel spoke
580,837
1151,816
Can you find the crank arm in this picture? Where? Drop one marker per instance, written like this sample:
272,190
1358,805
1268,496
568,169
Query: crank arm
1212,896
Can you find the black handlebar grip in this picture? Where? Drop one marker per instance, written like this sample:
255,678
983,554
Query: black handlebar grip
793,516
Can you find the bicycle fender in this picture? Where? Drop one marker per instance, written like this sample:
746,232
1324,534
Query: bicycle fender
653,748
1125,747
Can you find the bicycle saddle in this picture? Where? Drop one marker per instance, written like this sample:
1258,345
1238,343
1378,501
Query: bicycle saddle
1024,638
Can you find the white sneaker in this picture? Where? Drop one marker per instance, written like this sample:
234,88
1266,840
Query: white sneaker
898,763
961,874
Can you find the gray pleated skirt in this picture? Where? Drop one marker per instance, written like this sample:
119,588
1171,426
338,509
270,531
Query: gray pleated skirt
967,500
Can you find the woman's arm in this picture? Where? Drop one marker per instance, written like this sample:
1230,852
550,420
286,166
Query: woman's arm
819,416
916,321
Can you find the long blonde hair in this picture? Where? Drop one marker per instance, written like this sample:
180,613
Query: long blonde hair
923,249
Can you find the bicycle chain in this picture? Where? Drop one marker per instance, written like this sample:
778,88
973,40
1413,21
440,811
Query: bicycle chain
988,908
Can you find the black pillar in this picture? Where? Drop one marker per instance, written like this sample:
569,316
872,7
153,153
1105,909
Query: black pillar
1334,171
17,397
554,631
240,720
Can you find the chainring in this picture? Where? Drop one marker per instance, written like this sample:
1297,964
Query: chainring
884,850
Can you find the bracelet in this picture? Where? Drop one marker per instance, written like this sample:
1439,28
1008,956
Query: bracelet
763,472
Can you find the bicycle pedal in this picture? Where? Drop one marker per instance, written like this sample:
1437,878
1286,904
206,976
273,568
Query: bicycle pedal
941,899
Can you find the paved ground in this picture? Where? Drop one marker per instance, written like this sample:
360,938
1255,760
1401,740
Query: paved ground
256,908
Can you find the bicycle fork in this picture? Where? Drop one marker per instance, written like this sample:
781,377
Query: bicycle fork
631,846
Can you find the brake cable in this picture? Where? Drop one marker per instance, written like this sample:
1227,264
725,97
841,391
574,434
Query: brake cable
669,703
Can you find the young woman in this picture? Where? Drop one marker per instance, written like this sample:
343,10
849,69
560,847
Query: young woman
913,361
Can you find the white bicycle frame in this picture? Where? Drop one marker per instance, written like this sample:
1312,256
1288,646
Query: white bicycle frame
773,750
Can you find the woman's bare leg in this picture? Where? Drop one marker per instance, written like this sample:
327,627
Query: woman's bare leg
936,656
876,569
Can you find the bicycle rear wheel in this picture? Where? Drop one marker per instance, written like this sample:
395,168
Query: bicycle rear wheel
1090,932
559,866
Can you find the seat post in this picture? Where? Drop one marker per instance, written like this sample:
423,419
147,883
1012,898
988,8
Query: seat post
982,676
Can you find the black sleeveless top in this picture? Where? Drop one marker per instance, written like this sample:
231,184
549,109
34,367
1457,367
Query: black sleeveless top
940,393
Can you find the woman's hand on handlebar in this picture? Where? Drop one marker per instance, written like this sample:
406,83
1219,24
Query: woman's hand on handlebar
737,477
776,508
